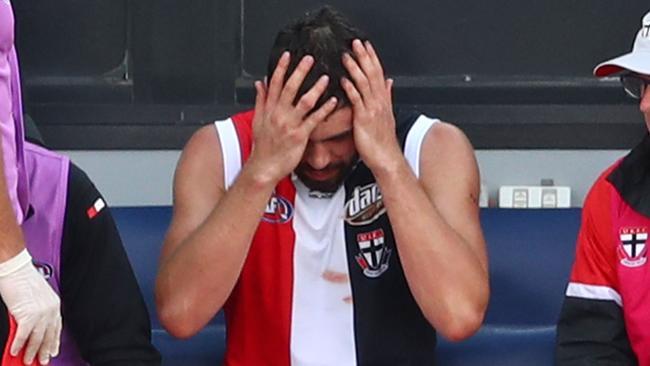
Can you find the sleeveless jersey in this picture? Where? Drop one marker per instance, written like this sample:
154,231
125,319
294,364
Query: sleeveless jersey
322,283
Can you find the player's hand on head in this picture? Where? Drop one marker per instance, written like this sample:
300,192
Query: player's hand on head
281,128
370,94
34,306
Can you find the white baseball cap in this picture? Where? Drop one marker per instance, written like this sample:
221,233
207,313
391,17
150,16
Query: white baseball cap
636,61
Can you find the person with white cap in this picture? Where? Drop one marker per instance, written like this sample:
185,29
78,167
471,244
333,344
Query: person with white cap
605,318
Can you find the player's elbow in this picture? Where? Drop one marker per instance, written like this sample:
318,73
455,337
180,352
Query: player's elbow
177,322
461,326
462,319
175,313
180,331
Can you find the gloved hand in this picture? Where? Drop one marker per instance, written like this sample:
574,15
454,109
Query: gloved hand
35,307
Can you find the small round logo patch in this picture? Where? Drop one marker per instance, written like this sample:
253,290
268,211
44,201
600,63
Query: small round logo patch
278,211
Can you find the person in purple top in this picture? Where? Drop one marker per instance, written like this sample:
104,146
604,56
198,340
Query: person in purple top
29,299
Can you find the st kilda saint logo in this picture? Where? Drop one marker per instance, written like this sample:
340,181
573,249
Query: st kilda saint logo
632,249
373,253
365,206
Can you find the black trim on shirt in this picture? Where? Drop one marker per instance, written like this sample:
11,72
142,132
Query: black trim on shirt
390,328
592,333
632,177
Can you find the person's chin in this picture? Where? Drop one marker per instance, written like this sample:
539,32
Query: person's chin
329,185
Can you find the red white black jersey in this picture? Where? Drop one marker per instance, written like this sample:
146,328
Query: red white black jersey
605,319
322,283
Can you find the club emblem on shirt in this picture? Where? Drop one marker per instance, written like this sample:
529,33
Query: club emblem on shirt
278,210
632,249
365,206
373,253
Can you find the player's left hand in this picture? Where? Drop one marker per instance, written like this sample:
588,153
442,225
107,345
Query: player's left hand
372,107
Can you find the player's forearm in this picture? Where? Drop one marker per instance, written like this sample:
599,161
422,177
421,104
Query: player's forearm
196,280
11,237
445,276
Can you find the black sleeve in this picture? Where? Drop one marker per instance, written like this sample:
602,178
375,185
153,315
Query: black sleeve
591,333
102,304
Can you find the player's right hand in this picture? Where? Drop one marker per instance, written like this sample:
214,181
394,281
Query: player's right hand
281,129
34,306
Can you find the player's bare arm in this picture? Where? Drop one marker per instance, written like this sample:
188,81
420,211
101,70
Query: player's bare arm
212,227
435,219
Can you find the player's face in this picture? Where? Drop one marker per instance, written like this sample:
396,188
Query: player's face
644,104
330,154
636,86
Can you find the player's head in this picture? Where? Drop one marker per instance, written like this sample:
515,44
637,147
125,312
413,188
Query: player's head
324,34
633,69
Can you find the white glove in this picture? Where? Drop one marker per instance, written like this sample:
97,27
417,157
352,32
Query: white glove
34,306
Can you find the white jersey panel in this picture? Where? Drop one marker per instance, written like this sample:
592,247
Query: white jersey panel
414,140
322,324
593,292
230,150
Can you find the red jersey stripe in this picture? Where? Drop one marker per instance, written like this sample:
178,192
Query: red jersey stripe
258,316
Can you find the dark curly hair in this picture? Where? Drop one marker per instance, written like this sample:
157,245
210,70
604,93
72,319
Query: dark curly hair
326,35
